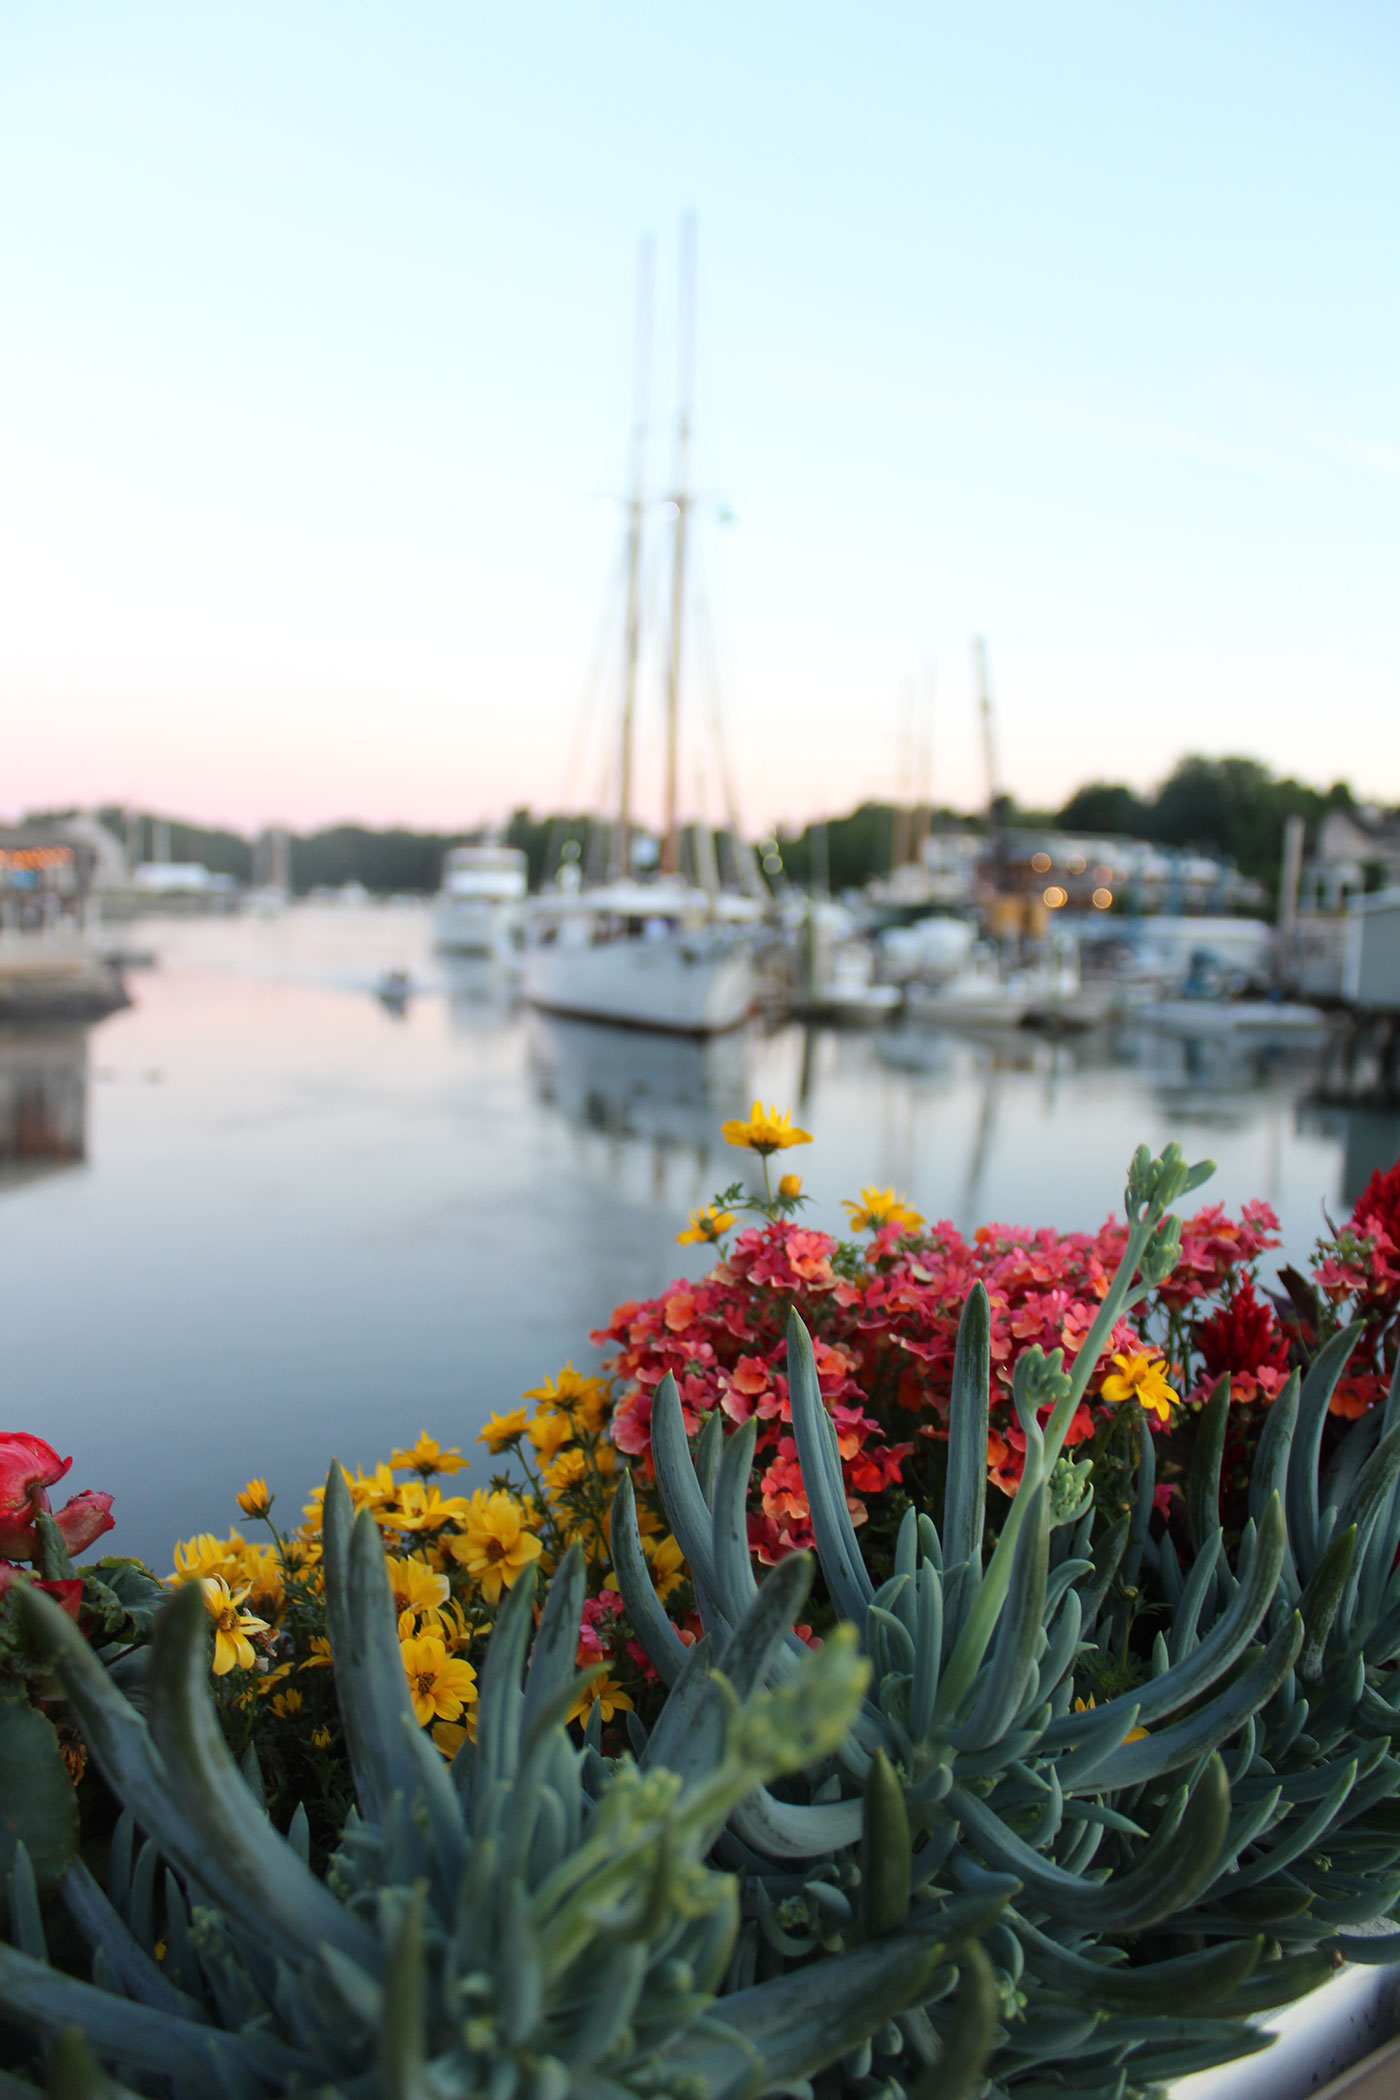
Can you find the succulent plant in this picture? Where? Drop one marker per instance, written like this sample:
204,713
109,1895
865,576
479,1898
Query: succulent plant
537,1921
1197,1848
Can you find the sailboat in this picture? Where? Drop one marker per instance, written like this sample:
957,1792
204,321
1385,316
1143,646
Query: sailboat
656,952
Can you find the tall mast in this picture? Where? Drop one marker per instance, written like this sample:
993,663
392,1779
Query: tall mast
632,632
680,499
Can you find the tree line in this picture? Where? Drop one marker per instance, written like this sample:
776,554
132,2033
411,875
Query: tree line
1234,807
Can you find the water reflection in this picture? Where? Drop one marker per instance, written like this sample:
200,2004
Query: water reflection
671,1090
43,1100
1369,1138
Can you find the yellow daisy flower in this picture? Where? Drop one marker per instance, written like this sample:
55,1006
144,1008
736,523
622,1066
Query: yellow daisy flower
604,1692
439,1684
878,1208
427,1456
495,1546
766,1130
233,1647
548,1431
706,1224
254,1500
503,1432
1141,1377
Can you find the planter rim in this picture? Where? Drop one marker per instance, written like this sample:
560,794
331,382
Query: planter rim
1318,2037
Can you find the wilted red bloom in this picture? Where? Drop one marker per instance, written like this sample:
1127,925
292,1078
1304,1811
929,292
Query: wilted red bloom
28,1468
67,1593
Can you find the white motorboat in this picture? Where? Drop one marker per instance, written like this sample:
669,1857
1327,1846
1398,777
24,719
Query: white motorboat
479,907
641,955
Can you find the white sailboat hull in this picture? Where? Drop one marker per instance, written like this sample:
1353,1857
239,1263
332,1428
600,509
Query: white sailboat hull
678,983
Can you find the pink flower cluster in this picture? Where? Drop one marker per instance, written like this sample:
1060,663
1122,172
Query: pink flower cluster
884,1320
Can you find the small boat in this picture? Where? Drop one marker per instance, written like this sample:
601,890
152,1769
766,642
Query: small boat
479,908
393,990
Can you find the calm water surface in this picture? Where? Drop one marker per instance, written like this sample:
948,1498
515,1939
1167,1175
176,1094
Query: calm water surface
304,1226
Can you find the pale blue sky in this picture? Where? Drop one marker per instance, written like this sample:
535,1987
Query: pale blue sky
1073,325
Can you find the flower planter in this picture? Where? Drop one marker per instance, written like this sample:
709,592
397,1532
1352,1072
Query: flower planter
1335,2044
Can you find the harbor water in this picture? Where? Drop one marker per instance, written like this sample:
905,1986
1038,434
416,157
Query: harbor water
265,1215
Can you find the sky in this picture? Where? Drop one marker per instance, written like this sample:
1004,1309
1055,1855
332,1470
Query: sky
1072,327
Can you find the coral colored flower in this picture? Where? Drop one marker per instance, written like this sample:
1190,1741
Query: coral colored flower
503,1432
254,1500
1143,1378
706,1224
549,1431
878,1208
233,1628
765,1131
439,1684
427,1456
495,1547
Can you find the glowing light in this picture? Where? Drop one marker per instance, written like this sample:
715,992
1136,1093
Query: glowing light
1103,874
1054,897
670,510
1042,863
1101,899
1076,864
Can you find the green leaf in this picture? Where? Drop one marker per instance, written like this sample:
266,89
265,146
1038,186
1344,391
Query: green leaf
1320,1600
554,1657
1313,1402
837,1547
1171,1871
1203,1475
885,1856
666,1651
685,1505
970,2036
968,1417
1207,1727
1005,1675
38,1806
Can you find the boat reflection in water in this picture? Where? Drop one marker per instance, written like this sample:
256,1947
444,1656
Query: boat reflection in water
1218,1079
43,1100
627,1082
479,990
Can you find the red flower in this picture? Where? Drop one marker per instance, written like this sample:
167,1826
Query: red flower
28,1468
68,1592
1244,1338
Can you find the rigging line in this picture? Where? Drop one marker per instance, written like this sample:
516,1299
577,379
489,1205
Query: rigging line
583,724
745,860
